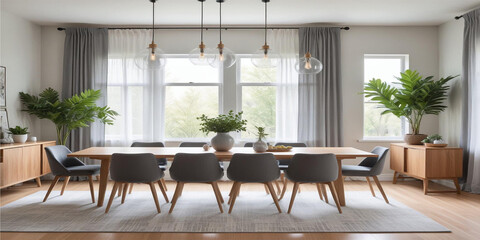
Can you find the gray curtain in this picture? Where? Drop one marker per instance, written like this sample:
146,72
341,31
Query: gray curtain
470,140
320,95
85,66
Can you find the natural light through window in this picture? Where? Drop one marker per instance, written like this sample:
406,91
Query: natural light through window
385,67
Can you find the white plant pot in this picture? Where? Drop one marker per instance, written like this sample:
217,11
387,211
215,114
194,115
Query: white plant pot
260,146
20,138
222,142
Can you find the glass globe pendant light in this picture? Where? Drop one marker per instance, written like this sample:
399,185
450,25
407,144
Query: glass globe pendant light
265,57
224,57
151,57
198,56
308,65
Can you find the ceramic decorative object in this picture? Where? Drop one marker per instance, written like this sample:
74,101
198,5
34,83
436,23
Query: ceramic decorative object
20,138
206,147
260,146
222,142
414,139
33,139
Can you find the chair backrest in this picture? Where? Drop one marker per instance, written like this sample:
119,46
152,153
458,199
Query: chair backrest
291,144
376,163
58,160
248,144
195,167
313,168
135,168
257,167
192,144
147,144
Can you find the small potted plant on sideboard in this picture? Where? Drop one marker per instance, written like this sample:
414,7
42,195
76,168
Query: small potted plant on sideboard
19,134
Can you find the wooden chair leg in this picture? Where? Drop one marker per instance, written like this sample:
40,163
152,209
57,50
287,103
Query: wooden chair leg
274,196
154,194
294,194
380,188
65,182
92,190
335,196
215,184
231,193
370,185
266,189
131,188
97,177
52,185
124,192
217,196
319,189
178,190
324,191
285,183
162,189
112,196
164,184
235,193
279,190
120,187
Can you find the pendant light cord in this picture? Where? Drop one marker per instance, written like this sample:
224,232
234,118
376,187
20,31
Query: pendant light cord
201,31
265,22
220,21
153,21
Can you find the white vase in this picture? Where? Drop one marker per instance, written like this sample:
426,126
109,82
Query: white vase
260,146
222,142
19,138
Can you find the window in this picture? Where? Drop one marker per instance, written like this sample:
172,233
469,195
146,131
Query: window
385,67
190,91
256,91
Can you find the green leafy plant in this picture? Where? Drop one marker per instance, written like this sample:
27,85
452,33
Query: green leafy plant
223,123
260,133
18,130
67,114
417,96
432,138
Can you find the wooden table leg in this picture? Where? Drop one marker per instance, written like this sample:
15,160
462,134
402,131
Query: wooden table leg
104,169
339,184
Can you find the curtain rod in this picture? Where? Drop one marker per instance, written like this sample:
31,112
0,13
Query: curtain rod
458,17
206,28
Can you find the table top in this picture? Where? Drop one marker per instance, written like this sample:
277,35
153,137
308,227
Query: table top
168,152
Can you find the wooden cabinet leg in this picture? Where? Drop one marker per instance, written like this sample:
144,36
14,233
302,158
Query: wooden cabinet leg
394,177
425,186
39,183
457,186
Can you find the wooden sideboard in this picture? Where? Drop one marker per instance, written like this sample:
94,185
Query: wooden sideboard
426,163
20,162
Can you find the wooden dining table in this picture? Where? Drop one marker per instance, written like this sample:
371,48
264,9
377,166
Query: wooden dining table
104,154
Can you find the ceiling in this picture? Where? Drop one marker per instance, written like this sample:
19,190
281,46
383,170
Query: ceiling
240,12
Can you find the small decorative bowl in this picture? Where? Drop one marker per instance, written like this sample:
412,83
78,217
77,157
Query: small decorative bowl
435,145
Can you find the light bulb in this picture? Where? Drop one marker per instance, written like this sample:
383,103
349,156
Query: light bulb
221,57
308,65
152,57
202,55
265,56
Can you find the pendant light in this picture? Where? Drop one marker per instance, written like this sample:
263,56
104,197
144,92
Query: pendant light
224,57
151,57
198,56
265,57
308,64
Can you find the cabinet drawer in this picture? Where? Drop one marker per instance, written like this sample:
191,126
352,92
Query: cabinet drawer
415,162
444,163
32,161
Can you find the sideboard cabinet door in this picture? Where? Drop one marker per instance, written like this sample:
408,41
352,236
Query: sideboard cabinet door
32,157
12,166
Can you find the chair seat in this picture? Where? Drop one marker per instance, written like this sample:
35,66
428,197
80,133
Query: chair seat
352,170
85,170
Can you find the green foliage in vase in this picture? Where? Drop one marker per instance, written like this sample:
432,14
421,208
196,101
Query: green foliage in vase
67,114
261,133
417,96
18,130
224,123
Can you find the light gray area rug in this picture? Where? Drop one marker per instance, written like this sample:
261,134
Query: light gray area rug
198,212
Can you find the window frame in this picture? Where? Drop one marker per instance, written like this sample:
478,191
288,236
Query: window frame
404,58
220,86
239,88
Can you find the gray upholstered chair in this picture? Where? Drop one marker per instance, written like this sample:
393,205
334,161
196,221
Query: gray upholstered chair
63,166
250,144
192,144
283,164
196,168
313,168
162,162
252,168
369,167
135,168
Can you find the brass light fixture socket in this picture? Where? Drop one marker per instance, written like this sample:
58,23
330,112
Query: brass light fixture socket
220,45
152,45
265,47
308,55
201,46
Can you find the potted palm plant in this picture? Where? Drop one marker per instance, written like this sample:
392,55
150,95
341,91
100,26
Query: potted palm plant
67,114
222,125
19,134
417,96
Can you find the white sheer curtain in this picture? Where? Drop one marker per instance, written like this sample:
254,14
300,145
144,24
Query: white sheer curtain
285,43
471,113
136,94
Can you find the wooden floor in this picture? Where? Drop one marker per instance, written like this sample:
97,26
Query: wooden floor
459,213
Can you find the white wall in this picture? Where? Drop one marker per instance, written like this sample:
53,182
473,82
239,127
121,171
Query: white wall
21,46
450,37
